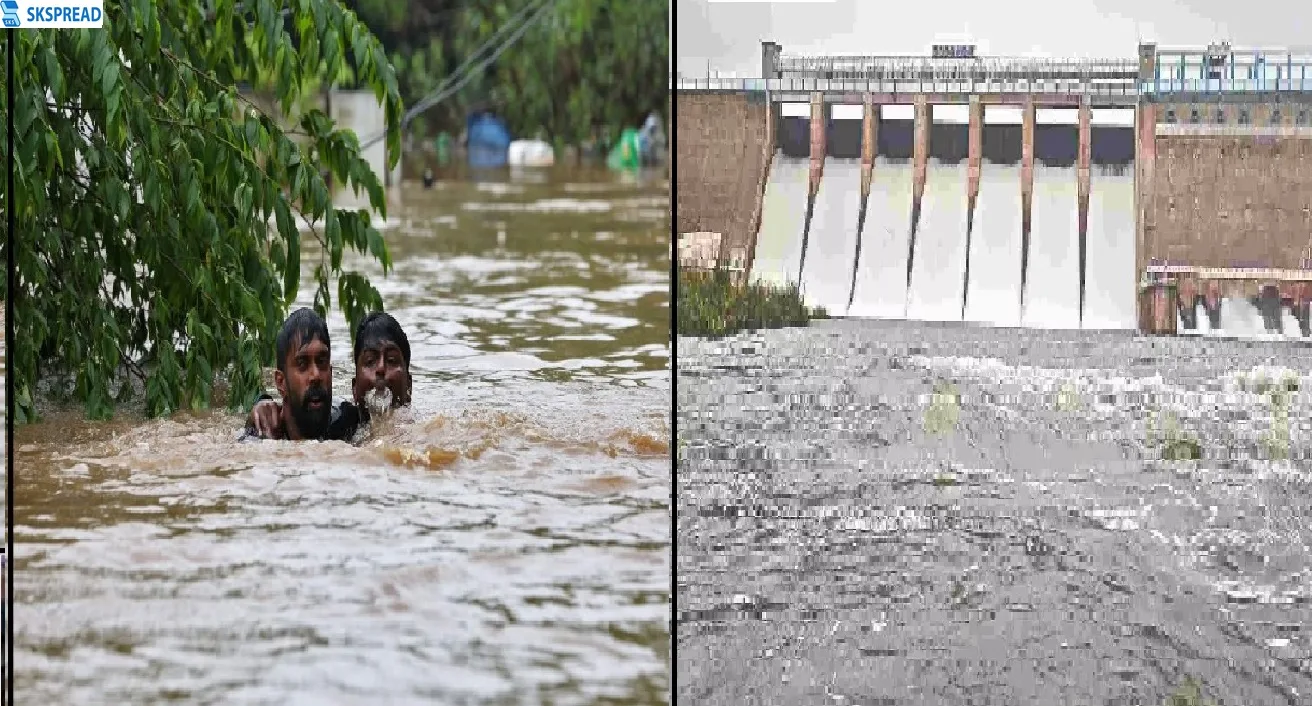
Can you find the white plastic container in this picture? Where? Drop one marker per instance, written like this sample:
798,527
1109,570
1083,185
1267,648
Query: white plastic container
530,153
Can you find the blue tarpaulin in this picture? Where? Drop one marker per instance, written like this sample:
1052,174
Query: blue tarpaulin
489,140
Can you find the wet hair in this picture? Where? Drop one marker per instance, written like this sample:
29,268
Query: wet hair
303,326
380,326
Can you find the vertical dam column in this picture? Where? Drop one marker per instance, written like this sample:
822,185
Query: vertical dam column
818,124
1026,191
920,153
1083,158
976,152
869,124
974,155
937,276
834,223
920,163
879,283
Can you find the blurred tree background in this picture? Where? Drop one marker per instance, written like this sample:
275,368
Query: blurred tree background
588,64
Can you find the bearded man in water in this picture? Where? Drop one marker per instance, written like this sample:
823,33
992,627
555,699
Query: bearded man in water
382,365
304,378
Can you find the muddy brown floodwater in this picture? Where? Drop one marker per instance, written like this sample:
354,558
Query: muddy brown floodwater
505,541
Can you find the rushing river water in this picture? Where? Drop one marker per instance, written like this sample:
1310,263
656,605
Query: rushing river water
846,544
505,541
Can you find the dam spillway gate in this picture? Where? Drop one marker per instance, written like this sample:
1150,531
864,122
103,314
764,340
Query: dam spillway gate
1169,192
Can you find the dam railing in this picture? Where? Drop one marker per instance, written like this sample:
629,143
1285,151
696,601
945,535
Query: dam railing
999,84
980,69
1168,72
1230,71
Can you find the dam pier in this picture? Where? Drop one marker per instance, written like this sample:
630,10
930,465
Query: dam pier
1167,192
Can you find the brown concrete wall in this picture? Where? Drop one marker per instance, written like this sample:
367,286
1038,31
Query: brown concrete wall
721,141
1230,201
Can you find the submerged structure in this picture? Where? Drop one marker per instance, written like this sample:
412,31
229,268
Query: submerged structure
1096,193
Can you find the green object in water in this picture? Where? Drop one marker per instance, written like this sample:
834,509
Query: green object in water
443,149
627,153
944,409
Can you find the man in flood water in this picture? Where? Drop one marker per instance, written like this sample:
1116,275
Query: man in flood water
382,365
382,361
304,378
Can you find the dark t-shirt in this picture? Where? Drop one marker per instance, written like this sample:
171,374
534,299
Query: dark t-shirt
346,421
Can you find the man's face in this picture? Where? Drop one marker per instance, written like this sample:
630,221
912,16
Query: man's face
381,365
306,388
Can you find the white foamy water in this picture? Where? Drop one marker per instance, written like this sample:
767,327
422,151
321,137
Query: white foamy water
783,214
543,206
1109,278
378,401
1239,396
994,294
832,242
938,270
876,278
1052,293
1240,319
1079,489
881,274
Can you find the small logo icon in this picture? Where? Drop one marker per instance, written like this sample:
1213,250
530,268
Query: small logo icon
48,14
9,10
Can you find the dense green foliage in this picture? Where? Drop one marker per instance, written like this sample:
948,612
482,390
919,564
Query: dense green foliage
712,304
146,187
586,64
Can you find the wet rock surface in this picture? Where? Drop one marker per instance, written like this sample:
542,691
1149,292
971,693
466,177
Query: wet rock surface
835,547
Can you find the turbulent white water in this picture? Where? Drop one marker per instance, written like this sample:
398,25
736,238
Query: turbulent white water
881,275
937,271
783,214
1239,318
1109,275
994,294
1049,494
993,291
831,244
1052,294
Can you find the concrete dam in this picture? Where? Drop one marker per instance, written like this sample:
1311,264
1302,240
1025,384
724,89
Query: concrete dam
1171,193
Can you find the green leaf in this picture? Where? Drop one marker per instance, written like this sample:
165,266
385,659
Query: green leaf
109,79
378,248
252,130
332,229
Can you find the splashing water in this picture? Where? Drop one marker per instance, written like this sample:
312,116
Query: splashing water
379,402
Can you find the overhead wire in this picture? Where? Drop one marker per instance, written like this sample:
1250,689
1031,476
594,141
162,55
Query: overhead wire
531,13
464,67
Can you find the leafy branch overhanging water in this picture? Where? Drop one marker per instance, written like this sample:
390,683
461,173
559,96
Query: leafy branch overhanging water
146,186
